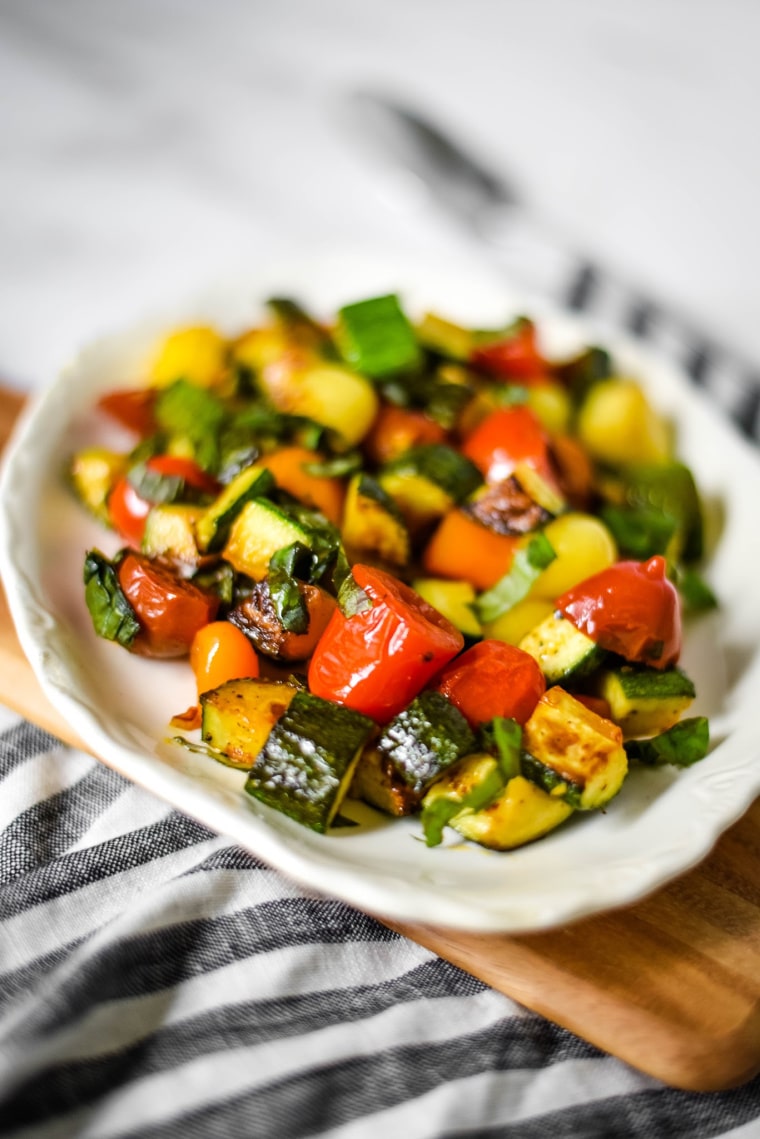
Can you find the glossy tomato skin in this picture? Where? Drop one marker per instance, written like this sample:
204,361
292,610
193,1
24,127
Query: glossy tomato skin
169,609
220,652
378,660
493,679
631,609
128,510
506,438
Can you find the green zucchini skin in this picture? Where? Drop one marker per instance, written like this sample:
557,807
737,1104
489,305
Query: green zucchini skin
645,701
440,464
551,781
307,762
421,742
564,654
214,527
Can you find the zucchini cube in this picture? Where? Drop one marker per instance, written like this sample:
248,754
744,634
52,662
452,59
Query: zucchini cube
520,813
237,717
645,701
308,759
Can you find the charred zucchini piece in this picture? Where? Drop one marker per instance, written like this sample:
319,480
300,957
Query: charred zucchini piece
372,523
258,532
520,813
564,654
426,481
470,784
454,599
411,752
92,473
375,337
645,701
572,753
307,762
237,717
214,527
170,533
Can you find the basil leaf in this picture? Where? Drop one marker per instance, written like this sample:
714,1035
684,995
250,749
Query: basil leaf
682,745
186,409
528,563
639,532
507,736
438,812
286,567
695,592
113,618
352,600
153,486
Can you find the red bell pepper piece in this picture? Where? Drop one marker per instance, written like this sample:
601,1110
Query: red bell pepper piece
507,438
514,357
378,659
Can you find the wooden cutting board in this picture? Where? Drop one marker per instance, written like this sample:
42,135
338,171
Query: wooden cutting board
670,985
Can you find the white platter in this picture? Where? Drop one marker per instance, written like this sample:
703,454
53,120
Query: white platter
663,821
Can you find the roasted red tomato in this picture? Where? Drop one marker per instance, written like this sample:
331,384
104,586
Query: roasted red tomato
631,609
128,509
169,609
493,679
515,357
377,660
507,438
132,408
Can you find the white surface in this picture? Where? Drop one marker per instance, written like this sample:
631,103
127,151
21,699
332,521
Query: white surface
662,822
148,147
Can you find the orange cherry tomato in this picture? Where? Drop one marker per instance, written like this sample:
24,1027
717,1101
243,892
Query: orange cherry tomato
128,510
397,429
493,679
631,609
377,660
220,652
170,610
506,438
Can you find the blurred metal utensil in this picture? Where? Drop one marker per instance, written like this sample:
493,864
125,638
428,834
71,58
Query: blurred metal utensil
489,207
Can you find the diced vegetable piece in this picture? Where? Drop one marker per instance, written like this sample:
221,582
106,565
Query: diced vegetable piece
427,481
506,438
214,527
197,354
258,532
512,353
219,653
563,653
290,468
581,372
398,429
506,508
638,531
329,394
170,533
238,716
376,338
645,701
463,549
377,659
372,523
93,471
551,404
454,599
685,743
307,762
193,413
520,813
470,784
425,738
132,408
618,425
444,337
492,679
580,754
517,622
583,546
257,617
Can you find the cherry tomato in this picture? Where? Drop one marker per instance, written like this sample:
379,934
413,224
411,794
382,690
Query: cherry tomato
493,679
631,609
506,438
128,510
377,660
396,429
220,652
170,610
515,357
132,408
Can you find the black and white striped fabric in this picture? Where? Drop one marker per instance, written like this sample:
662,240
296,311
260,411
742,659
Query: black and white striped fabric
159,982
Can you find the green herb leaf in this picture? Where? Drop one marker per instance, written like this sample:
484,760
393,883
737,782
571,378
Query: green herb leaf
639,532
286,567
112,615
528,563
188,410
352,600
507,736
153,486
439,811
685,743
695,592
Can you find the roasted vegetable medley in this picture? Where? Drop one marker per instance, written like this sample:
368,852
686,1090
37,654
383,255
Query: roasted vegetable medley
409,562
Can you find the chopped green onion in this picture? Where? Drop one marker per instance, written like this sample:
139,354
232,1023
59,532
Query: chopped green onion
376,338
